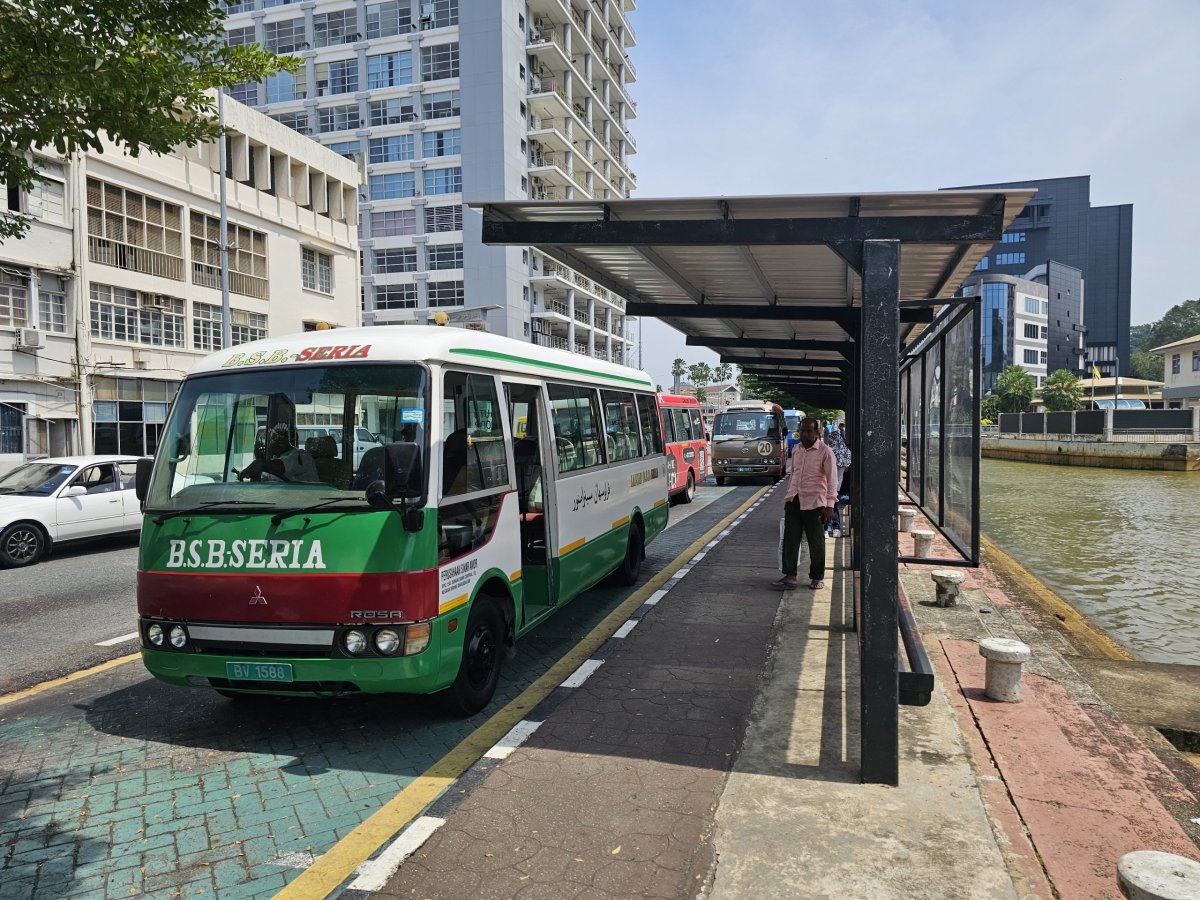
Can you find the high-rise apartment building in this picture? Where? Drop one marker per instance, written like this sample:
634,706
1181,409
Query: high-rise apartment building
446,101
1059,224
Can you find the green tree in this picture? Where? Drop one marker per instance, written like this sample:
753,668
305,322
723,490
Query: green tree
678,370
989,409
1062,392
722,373
73,72
755,388
1181,321
1014,389
700,374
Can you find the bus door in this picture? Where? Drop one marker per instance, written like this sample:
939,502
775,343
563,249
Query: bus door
532,461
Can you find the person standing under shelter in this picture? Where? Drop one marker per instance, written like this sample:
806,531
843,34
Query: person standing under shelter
836,439
807,506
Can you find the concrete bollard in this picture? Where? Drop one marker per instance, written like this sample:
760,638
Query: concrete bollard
1002,679
922,542
907,516
1154,875
947,581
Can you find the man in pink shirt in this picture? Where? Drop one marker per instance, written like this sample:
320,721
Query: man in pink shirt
808,506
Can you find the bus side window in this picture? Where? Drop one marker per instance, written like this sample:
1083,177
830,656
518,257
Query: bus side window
473,454
652,437
668,427
576,413
697,425
620,419
683,427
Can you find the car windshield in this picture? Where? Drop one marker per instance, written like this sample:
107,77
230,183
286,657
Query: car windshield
746,425
36,478
288,438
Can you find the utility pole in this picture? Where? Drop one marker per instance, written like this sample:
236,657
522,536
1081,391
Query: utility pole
226,324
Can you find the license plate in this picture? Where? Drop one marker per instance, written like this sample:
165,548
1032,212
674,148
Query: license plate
252,671
745,468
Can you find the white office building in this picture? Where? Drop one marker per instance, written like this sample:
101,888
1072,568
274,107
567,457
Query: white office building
441,101
114,292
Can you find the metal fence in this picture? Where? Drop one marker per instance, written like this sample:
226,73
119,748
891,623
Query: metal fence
1129,425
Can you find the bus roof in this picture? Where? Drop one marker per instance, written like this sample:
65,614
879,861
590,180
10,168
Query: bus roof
420,343
677,400
743,405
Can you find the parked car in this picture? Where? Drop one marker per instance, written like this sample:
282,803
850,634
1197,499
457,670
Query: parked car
364,440
65,498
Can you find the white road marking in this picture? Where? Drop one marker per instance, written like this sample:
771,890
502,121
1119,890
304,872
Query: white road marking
373,875
516,736
580,675
653,599
624,630
118,640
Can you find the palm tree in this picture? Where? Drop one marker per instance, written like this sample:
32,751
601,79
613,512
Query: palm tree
678,370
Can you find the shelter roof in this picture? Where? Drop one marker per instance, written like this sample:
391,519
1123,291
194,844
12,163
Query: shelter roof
770,283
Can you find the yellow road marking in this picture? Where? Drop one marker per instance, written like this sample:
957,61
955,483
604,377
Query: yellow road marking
66,679
1095,638
515,576
574,545
336,865
621,521
453,604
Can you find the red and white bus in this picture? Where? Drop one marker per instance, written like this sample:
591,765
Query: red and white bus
686,445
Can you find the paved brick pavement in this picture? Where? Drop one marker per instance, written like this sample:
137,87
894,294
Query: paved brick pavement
116,785
613,795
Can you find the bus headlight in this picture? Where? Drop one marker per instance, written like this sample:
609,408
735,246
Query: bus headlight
387,641
355,642
416,638
154,634
177,636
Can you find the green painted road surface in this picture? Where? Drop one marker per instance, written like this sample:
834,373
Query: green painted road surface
116,785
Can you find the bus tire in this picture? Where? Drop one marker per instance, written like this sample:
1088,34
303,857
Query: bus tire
479,671
627,572
689,492
720,480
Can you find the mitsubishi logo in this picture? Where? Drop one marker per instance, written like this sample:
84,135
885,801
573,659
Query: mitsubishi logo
258,597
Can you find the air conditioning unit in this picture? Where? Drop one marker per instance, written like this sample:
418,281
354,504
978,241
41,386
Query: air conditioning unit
30,339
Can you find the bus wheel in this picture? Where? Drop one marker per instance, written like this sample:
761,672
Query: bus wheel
631,566
689,492
720,480
479,671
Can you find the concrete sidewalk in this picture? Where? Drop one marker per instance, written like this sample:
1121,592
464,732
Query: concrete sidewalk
713,751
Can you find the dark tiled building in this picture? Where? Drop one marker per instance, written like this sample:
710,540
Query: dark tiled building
1060,225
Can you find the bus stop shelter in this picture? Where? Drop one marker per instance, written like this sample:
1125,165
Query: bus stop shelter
845,302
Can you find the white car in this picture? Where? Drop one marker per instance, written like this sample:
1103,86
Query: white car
65,498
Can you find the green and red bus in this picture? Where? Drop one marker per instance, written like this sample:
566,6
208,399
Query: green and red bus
506,479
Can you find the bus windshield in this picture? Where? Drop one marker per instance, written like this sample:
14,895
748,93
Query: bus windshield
744,425
283,438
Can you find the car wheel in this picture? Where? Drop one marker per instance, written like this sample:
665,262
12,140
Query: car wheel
479,671
689,492
21,544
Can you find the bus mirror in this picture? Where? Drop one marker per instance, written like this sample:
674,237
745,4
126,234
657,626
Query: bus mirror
377,497
141,478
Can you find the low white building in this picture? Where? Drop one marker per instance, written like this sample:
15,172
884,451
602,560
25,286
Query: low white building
114,292
1181,372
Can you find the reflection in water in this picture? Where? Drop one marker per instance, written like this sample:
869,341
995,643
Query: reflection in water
1122,546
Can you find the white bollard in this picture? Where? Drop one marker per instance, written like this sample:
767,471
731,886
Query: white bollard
1002,680
906,519
922,542
947,581
1154,875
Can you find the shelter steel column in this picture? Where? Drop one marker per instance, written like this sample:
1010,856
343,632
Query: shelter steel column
879,476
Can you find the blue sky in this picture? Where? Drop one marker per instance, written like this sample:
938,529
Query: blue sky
792,96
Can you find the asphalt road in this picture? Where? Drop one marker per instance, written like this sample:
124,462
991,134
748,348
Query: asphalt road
55,612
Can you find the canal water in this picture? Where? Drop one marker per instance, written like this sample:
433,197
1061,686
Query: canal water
1122,546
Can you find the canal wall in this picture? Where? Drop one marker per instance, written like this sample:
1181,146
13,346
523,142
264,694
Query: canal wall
1172,457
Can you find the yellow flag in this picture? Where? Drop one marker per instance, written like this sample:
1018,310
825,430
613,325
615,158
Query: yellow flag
1095,371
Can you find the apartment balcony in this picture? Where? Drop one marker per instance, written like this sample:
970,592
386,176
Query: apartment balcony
550,340
553,171
551,133
550,310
